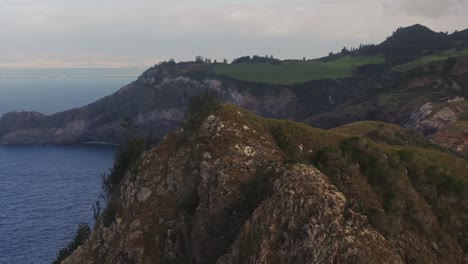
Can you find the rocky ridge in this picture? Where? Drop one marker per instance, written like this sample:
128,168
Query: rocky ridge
228,194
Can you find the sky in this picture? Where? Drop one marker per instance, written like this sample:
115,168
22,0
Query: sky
127,33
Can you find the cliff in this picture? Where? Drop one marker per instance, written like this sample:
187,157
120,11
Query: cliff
430,99
157,100
244,189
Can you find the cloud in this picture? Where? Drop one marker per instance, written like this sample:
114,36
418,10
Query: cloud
434,8
57,32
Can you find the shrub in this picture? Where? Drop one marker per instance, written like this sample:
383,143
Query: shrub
444,183
124,160
82,234
199,108
291,151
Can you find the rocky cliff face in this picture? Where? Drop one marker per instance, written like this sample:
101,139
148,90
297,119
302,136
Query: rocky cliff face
426,99
235,191
156,102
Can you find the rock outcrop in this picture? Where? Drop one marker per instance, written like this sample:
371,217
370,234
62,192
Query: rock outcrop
230,193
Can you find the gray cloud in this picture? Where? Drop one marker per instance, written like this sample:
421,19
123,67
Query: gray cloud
66,33
435,8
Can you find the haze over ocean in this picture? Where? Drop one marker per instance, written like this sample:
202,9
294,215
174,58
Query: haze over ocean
55,90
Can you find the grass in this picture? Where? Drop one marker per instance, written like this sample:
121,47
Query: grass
430,58
292,72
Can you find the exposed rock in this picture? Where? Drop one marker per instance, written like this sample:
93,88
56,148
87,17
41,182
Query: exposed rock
225,195
307,220
428,125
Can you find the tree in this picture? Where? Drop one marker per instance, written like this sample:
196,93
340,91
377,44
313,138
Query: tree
345,51
124,160
200,107
199,59
96,210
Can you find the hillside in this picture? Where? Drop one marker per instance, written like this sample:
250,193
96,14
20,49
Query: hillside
407,48
292,72
243,189
424,60
430,99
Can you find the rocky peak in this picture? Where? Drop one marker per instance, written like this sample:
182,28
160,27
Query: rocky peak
234,192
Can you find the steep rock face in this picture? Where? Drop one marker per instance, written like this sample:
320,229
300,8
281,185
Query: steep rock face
225,195
307,220
156,102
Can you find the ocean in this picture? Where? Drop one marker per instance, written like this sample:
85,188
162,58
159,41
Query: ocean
46,191
51,91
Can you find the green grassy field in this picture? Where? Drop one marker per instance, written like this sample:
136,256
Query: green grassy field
431,58
291,72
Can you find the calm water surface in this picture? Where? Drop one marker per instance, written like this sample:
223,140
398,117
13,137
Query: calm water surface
45,192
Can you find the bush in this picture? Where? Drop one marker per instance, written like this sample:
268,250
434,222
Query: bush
82,234
444,183
125,158
199,108
291,151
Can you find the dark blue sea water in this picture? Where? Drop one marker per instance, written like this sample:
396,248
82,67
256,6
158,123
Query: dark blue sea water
45,192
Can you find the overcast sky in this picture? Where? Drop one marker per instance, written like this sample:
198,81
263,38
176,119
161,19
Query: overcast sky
120,33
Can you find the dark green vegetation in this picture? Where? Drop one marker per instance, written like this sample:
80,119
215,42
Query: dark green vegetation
198,110
126,157
125,161
82,234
